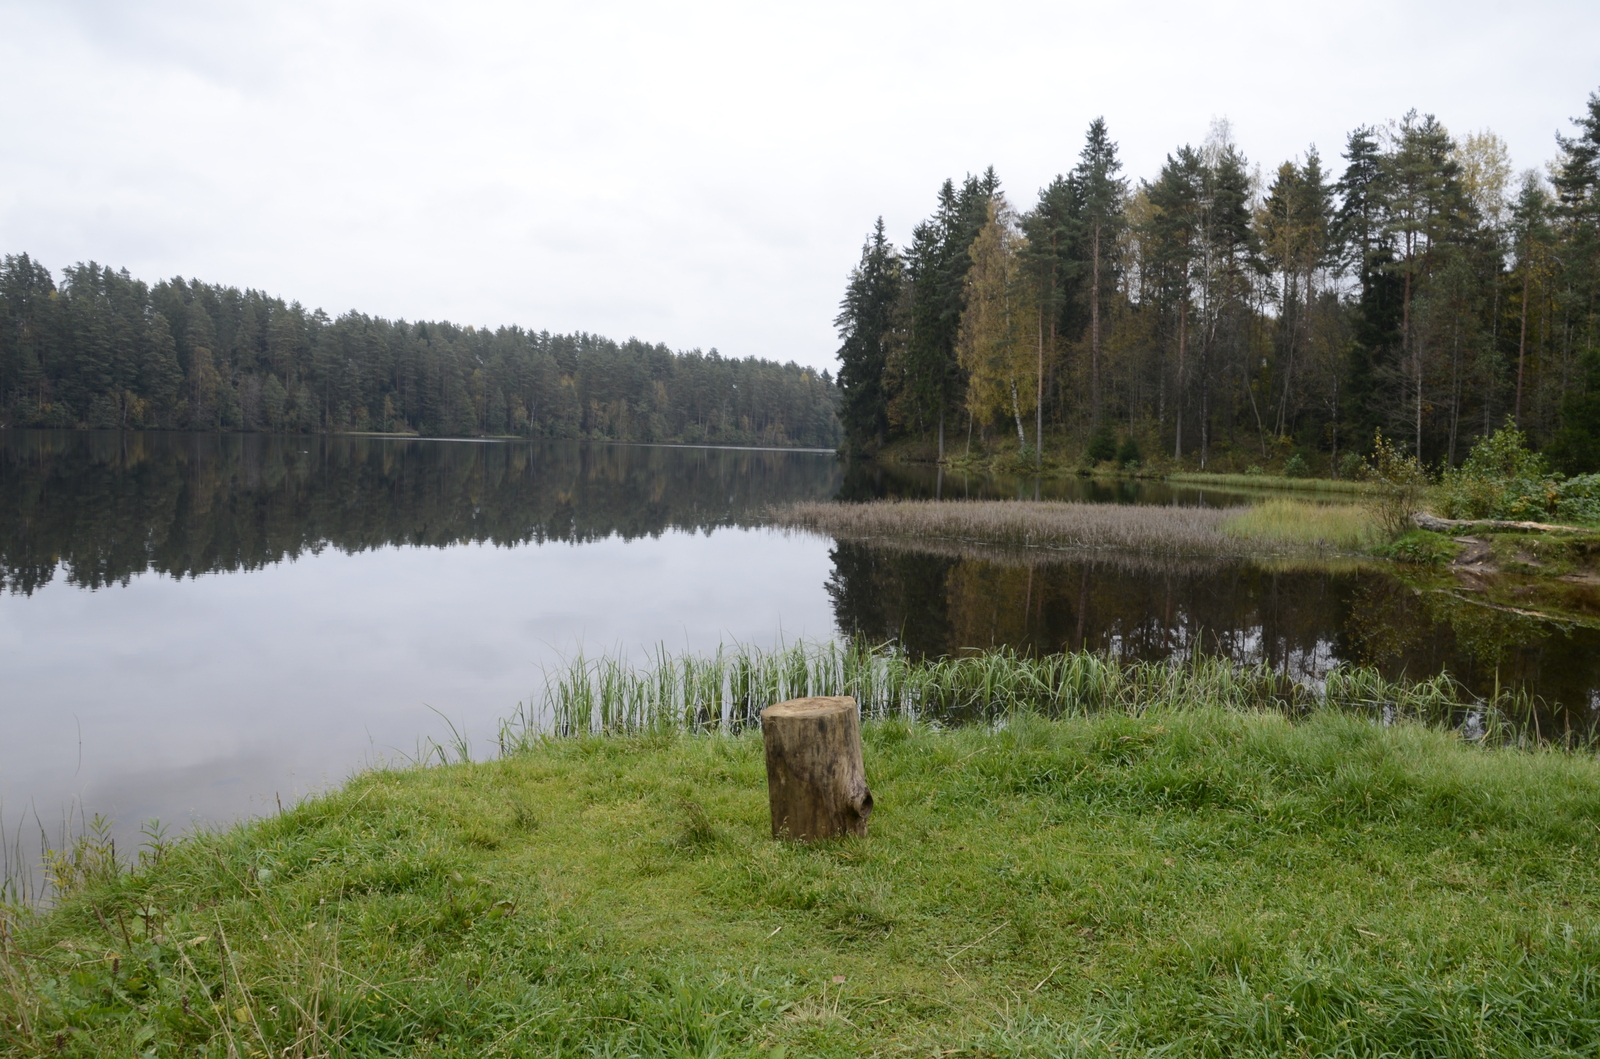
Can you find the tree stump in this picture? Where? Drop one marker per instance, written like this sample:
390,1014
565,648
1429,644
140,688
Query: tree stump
815,781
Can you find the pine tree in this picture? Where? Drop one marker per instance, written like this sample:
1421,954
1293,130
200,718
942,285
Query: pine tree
1530,233
1295,221
1225,263
1425,208
1365,252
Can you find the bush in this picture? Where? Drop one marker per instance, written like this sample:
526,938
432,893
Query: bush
1578,499
1128,454
1296,467
1254,470
1501,479
1419,546
1350,465
1402,482
1102,446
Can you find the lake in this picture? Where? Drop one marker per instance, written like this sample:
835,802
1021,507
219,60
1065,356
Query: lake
195,627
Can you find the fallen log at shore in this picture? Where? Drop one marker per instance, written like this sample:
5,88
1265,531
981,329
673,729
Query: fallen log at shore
1434,523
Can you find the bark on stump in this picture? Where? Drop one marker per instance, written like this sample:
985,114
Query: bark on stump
815,781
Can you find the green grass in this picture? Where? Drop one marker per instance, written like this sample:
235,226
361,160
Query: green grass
1291,520
728,689
1195,882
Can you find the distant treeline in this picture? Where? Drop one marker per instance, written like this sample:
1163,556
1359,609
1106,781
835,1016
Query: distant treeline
102,349
101,508
1220,314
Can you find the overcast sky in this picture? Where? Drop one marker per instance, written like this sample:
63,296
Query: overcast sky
697,174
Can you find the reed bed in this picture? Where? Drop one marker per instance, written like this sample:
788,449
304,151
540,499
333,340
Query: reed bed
727,691
1276,526
1024,523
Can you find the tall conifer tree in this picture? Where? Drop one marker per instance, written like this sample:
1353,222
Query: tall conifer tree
868,321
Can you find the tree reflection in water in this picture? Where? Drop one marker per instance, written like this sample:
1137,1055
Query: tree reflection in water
1300,618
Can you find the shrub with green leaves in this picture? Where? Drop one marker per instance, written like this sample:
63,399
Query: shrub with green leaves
1402,480
1578,499
1296,467
1501,479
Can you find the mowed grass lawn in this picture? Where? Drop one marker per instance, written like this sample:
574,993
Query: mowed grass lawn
1181,884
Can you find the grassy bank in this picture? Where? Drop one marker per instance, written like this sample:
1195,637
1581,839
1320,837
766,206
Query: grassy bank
1180,882
1276,526
1126,859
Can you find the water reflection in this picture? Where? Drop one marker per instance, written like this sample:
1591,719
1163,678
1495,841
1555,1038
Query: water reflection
357,582
105,506
1298,619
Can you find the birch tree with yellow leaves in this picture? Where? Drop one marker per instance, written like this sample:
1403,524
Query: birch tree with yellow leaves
999,337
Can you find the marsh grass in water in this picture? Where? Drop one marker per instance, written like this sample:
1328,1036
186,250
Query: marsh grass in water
1145,528
1155,879
1275,526
728,689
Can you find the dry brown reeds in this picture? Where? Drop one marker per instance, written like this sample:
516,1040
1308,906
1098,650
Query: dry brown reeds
1282,527
1172,531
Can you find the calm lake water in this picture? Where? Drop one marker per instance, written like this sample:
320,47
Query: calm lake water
193,627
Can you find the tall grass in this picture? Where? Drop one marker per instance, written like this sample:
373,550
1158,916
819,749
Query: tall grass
1277,525
1345,527
727,690
1026,523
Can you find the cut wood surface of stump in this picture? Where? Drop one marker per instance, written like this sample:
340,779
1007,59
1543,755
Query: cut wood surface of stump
815,780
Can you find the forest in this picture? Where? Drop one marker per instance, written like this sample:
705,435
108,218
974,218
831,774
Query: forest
1218,316
102,349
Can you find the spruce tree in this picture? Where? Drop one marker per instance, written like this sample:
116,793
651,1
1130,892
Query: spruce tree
930,385
159,374
1173,239
1049,263
1102,194
868,321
